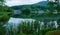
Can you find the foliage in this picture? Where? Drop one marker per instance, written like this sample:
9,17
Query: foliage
58,21
4,16
56,32
25,11
21,34
29,28
51,3
43,31
32,28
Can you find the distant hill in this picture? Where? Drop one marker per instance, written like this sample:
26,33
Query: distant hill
40,5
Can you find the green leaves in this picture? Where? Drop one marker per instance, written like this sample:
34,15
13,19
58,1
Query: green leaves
3,16
1,0
50,3
5,11
26,11
55,32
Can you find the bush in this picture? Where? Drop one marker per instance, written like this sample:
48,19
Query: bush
3,17
55,32
43,31
21,34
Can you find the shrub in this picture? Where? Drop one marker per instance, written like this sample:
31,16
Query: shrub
55,32
43,31
21,34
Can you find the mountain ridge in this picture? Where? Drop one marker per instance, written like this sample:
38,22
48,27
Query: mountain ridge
42,5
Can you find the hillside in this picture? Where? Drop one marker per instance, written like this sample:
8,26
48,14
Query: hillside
40,5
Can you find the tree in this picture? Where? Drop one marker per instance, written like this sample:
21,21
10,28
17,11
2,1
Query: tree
4,16
55,5
25,11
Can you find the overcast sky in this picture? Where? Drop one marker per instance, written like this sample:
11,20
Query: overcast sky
21,2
